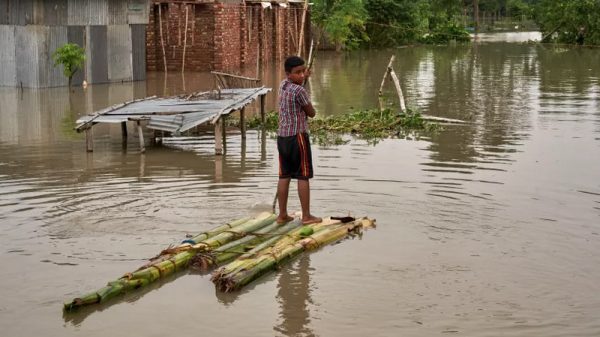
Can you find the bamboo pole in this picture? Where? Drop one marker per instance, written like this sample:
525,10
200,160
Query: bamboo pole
303,22
219,135
380,94
243,122
262,110
89,140
394,78
124,131
141,137
476,12
310,60
398,89
292,35
185,39
162,40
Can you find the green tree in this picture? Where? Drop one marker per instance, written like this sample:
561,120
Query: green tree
342,20
71,57
569,21
395,22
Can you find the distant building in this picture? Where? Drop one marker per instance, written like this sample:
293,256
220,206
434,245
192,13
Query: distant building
223,35
113,33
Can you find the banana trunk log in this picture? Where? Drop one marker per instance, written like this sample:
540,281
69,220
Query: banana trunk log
235,249
175,259
231,278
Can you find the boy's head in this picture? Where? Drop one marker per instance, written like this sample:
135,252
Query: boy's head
294,69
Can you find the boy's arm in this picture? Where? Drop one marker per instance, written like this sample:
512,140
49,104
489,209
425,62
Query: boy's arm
305,103
309,110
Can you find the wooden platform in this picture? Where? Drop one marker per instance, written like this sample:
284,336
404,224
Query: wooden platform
177,114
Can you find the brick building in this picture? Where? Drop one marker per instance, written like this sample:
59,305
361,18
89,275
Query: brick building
222,35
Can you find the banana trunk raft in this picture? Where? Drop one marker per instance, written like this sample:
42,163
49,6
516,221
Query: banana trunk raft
243,250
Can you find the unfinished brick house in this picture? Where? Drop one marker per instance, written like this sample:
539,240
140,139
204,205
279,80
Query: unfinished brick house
223,35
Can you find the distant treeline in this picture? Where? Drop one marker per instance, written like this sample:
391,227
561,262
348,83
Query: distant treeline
384,23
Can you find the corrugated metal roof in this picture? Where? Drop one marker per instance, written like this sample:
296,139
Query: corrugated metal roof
176,114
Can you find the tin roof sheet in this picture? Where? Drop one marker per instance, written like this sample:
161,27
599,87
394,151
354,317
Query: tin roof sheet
176,114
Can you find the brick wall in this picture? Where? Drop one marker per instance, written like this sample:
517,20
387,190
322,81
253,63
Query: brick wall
221,36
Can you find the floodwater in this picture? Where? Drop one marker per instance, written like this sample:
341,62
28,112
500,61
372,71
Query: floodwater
485,229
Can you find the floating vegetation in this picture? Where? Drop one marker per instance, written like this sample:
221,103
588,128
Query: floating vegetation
371,125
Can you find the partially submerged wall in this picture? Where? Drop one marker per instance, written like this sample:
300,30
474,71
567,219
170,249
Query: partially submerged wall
224,36
111,31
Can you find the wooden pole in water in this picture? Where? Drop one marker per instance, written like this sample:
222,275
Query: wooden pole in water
141,136
262,110
394,77
219,135
303,22
89,139
476,12
387,71
398,90
184,39
243,122
162,40
124,131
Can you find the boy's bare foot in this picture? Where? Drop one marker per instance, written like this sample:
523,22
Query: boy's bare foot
285,219
311,219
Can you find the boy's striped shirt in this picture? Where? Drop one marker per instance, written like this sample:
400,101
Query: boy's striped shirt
292,119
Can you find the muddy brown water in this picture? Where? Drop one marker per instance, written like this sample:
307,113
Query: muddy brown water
486,229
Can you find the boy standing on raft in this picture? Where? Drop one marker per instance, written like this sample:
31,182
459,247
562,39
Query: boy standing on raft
295,158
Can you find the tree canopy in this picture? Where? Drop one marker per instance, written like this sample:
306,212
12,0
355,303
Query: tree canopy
385,23
569,21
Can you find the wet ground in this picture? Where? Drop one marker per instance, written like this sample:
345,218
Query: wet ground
486,229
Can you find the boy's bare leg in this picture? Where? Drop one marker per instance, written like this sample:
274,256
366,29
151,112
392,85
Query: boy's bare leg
304,194
283,189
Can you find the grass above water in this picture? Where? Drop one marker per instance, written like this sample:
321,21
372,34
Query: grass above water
371,125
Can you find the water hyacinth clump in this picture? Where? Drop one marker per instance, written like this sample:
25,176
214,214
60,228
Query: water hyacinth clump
371,125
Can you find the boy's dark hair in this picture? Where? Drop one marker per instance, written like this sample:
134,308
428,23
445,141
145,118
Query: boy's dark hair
291,62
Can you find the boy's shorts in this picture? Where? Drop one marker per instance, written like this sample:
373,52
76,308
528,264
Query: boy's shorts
295,157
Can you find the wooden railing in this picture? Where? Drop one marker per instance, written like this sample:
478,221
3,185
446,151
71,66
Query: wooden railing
230,81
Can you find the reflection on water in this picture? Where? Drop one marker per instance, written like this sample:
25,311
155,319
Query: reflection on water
294,298
489,228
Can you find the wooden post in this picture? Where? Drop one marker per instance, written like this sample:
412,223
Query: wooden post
262,110
390,70
303,23
184,40
243,122
219,136
141,136
476,12
162,40
380,94
89,139
398,90
124,131
243,152
263,144
219,169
